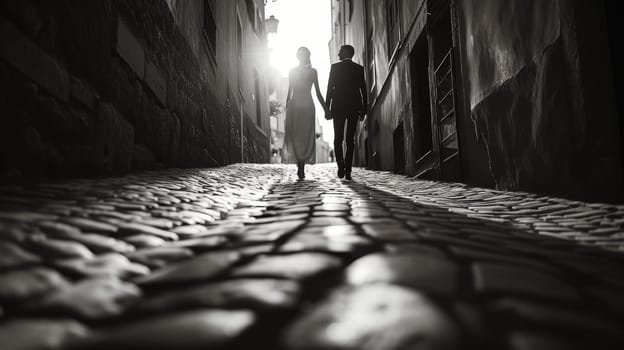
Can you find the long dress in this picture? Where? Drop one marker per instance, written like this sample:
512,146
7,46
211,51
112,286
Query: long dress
299,137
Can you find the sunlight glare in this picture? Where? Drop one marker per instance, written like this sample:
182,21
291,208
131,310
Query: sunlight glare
303,23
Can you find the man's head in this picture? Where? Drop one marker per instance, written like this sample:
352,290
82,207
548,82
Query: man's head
346,52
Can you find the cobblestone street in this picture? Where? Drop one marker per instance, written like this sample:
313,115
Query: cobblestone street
249,257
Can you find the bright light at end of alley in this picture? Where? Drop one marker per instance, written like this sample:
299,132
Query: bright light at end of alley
302,23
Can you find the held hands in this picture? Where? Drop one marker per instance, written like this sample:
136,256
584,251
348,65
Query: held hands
362,115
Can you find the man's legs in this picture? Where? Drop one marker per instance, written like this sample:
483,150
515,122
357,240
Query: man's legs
339,124
352,123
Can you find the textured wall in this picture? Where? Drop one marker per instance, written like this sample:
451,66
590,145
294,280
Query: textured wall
532,104
502,37
391,106
97,87
536,104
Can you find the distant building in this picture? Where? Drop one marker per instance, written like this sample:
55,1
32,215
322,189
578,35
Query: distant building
99,87
279,89
513,94
322,146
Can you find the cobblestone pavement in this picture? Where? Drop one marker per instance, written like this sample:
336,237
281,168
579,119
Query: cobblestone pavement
246,257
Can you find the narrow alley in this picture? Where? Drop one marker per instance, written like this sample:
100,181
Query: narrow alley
247,256
311,175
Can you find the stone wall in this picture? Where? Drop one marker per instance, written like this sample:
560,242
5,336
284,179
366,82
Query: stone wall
103,87
535,104
541,96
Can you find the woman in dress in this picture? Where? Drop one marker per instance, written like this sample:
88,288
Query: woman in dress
300,119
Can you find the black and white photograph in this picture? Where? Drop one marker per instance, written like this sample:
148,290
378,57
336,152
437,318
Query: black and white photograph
311,175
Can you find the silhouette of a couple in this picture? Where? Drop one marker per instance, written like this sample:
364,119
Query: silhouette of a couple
346,104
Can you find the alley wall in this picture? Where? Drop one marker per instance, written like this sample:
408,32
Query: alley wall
104,87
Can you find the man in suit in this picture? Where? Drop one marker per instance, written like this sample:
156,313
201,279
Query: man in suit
347,101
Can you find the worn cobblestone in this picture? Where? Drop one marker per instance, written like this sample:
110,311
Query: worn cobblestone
246,256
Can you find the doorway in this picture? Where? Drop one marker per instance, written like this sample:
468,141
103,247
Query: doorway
376,143
441,60
366,154
421,107
398,139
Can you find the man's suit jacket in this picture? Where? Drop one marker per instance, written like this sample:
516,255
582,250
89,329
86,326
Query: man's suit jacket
346,89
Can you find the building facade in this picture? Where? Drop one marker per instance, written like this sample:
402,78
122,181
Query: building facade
279,89
100,87
517,95
322,148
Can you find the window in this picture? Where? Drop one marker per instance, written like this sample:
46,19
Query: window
210,27
394,28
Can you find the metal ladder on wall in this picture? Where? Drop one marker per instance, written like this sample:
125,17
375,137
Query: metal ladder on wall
446,117
444,94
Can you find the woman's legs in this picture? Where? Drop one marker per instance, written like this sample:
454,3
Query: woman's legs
301,169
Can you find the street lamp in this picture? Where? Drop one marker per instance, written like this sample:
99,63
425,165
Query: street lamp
271,24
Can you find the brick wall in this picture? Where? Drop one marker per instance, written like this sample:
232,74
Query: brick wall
103,87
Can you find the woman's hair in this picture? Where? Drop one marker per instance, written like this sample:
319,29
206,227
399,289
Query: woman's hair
303,55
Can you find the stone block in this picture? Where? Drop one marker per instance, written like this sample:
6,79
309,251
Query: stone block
25,284
156,82
533,340
114,140
173,153
500,279
257,294
157,128
25,15
92,299
196,329
82,93
142,157
547,315
200,268
129,49
127,90
424,272
299,266
51,333
24,55
371,317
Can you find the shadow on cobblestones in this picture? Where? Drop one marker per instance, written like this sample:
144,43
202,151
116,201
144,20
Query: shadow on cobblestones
504,285
247,257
